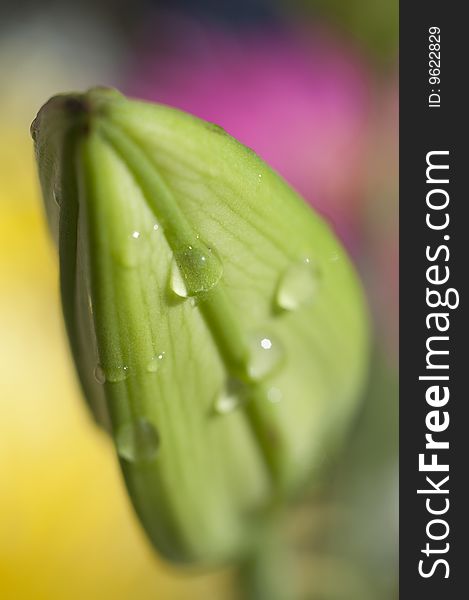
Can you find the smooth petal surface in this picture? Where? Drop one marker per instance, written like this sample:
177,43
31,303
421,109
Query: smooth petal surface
218,328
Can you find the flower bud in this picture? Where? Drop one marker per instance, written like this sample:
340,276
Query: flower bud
217,327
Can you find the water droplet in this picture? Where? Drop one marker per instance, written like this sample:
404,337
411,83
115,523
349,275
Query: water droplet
265,355
195,270
177,283
155,227
232,396
274,395
298,285
99,374
57,195
33,129
134,249
137,441
116,374
226,404
155,362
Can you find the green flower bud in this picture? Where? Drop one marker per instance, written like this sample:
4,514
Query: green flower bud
218,328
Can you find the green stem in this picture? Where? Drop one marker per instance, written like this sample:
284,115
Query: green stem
268,574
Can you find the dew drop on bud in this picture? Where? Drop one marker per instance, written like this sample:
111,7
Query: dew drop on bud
298,285
137,441
265,354
233,395
134,249
116,374
274,395
196,269
56,194
155,363
99,374
226,403
33,129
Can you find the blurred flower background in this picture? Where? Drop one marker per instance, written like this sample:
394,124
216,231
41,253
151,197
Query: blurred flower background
311,86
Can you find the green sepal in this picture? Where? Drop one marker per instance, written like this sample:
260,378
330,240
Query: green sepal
218,328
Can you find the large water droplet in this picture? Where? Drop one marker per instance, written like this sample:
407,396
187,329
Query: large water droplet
196,269
99,374
137,441
298,285
155,363
231,397
266,353
116,374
